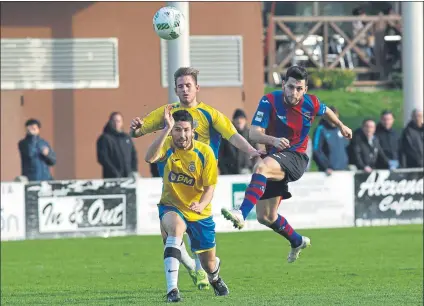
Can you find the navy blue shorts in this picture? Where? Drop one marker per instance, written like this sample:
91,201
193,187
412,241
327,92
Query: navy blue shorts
201,232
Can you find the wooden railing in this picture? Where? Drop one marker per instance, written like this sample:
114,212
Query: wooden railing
322,27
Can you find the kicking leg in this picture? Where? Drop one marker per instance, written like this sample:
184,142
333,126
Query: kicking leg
267,215
267,168
175,227
212,266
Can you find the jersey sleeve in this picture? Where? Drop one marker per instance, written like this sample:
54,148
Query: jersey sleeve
319,107
223,125
262,114
153,121
210,171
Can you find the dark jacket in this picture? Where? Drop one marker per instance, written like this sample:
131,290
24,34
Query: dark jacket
34,165
365,153
389,142
412,146
116,153
232,160
329,148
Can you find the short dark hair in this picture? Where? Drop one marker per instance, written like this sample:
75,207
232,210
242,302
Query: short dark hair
32,121
186,71
183,115
366,120
239,113
334,109
386,112
298,73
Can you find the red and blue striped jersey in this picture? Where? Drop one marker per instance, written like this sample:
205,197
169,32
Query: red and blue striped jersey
292,122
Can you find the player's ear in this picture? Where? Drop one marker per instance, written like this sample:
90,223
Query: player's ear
306,88
197,87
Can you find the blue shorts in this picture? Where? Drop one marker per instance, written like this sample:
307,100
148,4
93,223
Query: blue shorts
201,232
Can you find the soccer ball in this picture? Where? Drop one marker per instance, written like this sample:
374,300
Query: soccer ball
168,23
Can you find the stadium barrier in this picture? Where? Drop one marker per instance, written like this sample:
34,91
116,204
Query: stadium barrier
90,208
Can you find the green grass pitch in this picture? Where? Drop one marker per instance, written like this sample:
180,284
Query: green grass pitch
352,266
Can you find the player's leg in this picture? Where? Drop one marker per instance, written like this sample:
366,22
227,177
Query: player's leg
202,235
265,169
267,214
212,266
199,276
174,226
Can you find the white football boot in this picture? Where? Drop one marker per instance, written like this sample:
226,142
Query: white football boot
294,252
235,216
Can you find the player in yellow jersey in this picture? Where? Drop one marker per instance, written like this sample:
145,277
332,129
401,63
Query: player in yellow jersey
189,179
210,125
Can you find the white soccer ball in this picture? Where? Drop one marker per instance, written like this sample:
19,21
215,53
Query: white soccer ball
168,23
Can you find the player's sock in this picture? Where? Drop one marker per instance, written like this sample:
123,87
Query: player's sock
172,257
254,192
282,227
213,277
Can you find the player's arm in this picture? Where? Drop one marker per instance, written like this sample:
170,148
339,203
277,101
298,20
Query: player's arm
225,127
149,124
260,123
332,117
156,150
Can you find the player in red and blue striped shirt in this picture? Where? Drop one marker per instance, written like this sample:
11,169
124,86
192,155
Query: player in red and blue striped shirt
282,123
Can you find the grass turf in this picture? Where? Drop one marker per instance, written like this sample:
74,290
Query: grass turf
352,266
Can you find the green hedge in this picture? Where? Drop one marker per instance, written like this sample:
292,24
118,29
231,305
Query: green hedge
331,79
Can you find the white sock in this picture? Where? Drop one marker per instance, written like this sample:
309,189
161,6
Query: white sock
213,277
196,258
172,257
186,260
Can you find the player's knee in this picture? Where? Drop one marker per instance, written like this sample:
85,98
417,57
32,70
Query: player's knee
261,168
209,265
264,219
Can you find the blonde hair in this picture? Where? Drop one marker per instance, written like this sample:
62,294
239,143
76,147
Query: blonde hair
186,71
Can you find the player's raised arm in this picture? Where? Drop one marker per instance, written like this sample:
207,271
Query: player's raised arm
332,117
151,123
155,151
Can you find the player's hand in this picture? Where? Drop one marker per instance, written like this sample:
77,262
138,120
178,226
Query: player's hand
346,132
136,123
167,117
256,153
197,207
281,143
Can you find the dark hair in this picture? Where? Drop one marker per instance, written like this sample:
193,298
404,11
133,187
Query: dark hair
186,71
334,109
183,115
113,114
366,120
298,73
358,11
386,112
33,121
239,113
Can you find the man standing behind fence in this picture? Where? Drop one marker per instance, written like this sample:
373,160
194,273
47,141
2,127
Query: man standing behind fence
36,154
412,142
115,150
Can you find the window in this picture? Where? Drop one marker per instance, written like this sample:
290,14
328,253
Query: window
218,58
59,63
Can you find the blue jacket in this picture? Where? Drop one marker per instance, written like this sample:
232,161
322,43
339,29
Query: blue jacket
329,148
35,166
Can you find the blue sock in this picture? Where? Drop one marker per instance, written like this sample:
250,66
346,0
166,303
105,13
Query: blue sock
254,192
282,227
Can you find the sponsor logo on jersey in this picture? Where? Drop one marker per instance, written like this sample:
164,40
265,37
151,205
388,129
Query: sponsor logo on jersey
181,178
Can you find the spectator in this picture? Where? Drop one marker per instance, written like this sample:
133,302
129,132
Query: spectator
366,148
366,40
389,141
231,159
115,150
154,171
36,154
412,142
329,147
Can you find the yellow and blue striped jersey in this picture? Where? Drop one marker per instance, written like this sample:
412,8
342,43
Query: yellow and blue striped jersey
186,172
210,124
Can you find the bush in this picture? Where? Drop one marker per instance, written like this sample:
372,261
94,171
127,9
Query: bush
331,79
397,80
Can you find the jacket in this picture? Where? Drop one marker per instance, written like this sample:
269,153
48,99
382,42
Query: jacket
116,153
411,148
231,159
34,165
366,153
389,142
329,148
